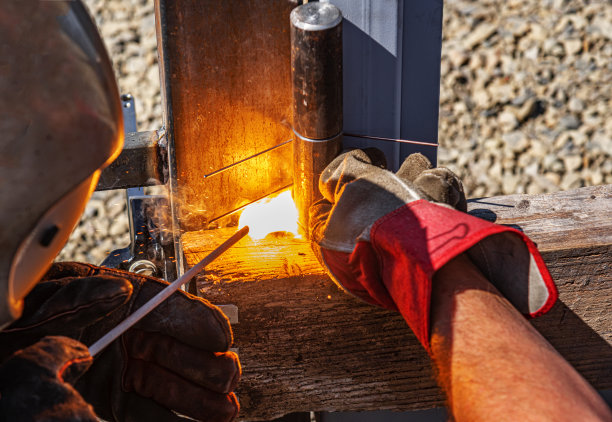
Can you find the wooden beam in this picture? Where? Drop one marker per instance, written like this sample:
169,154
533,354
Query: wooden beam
306,345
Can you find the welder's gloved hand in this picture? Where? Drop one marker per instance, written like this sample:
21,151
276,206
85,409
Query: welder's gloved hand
174,360
64,307
382,236
36,383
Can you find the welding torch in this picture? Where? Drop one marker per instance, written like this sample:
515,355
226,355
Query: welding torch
141,312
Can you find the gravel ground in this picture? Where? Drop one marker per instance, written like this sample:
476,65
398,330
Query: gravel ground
525,99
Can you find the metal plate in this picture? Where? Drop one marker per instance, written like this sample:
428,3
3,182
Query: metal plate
226,81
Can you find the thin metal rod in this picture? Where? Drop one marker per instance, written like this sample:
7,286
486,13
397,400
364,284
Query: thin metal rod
403,141
222,169
353,135
122,327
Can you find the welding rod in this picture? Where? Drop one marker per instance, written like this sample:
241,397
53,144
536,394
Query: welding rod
316,76
109,337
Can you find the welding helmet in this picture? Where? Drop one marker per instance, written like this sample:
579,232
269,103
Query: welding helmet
60,124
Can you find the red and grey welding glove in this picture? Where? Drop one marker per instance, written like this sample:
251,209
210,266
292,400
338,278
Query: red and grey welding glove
174,360
36,383
382,236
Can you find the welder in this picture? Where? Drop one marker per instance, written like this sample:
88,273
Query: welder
60,120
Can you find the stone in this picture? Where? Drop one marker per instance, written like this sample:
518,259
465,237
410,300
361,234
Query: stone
447,154
571,181
95,208
553,178
572,162
596,176
532,169
572,47
458,57
507,121
537,32
480,34
532,53
518,27
116,206
515,141
152,75
570,121
526,110
119,225
537,148
495,171
534,189
482,99
500,92
603,26
510,184
600,143
575,105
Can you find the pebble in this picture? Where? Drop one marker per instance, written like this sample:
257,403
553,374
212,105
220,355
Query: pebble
515,141
575,105
572,47
510,184
507,121
572,162
480,34
569,121
571,181
526,109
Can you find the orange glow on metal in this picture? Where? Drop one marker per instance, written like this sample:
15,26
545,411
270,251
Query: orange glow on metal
272,215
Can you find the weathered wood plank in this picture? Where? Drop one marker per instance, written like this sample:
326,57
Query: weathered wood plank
306,345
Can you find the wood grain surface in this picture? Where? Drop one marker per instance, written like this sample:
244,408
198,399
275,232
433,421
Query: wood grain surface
306,345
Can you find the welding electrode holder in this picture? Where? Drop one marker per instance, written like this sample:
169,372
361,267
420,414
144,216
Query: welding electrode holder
316,74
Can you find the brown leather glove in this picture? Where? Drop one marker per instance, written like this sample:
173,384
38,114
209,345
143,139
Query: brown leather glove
36,383
174,360
382,236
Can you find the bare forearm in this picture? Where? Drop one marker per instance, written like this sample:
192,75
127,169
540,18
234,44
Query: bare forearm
493,364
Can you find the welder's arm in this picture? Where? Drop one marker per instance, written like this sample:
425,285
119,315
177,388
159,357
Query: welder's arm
399,240
492,364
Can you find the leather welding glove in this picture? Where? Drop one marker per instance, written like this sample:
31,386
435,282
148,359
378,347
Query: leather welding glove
382,236
36,383
174,360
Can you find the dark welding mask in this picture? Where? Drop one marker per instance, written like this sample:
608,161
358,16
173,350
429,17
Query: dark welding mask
60,124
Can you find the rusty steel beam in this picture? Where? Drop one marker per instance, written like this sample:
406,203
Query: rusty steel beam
226,90
141,163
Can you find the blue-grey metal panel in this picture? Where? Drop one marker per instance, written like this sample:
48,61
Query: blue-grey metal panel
392,73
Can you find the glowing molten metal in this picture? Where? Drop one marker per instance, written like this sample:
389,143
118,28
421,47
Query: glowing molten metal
270,215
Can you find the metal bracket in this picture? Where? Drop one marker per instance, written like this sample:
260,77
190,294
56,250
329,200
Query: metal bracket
151,250
142,162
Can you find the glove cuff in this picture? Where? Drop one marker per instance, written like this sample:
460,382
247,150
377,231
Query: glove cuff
427,236
407,246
